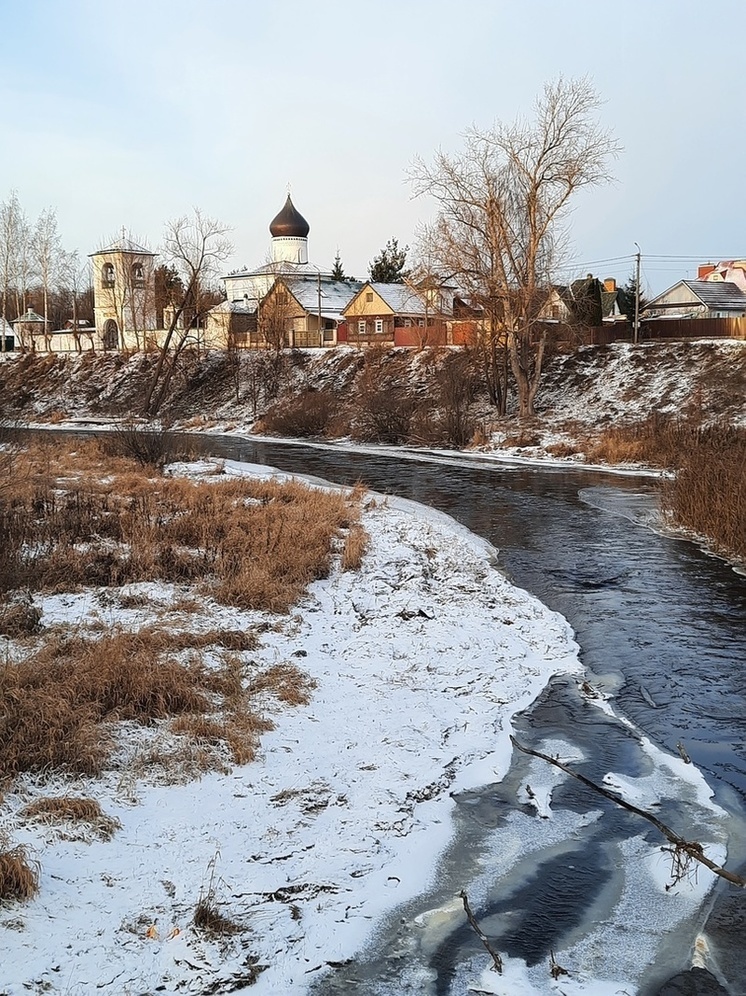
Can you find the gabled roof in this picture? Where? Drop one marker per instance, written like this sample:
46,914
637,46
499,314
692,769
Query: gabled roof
335,294
718,295
403,299
124,244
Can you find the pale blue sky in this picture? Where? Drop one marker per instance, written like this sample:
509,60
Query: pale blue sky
127,114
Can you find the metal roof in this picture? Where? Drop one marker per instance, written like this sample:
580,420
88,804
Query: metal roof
335,294
124,245
718,295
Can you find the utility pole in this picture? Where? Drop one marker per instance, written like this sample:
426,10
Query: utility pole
636,335
321,331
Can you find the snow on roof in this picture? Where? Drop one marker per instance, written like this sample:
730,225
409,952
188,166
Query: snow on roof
29,317
246,305
404,299
124,244
280,268
335,294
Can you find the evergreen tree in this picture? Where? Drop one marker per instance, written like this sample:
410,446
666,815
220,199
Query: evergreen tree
626,299
388,266
338,272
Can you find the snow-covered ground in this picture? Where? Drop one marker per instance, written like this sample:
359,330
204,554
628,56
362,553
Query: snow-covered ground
420,660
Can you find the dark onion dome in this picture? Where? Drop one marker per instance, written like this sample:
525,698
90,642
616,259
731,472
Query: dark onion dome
289,223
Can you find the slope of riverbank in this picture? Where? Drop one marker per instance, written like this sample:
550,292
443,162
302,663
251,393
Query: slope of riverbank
402,391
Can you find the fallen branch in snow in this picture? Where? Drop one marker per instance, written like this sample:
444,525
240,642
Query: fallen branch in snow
690,849
480,933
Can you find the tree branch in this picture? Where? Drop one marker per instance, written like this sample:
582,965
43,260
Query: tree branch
691,848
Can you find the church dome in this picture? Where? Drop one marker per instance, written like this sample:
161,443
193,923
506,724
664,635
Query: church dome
289,223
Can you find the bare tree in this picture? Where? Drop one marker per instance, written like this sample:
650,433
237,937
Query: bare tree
74,277
195,246
498,232
46,253
12,226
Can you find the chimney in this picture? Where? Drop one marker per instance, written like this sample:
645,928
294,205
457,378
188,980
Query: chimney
610,284
704,270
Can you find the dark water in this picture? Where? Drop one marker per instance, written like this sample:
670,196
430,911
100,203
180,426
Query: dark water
659,622
667,618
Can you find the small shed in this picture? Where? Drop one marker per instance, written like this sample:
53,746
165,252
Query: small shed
28,326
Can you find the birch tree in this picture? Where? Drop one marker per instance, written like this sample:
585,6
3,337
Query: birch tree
499,231
46,253
15,259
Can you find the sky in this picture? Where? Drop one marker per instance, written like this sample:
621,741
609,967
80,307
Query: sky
130,114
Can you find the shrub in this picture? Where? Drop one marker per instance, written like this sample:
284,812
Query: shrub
150,447
306,415
19,617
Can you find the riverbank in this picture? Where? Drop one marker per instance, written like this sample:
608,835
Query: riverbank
345,810
352,805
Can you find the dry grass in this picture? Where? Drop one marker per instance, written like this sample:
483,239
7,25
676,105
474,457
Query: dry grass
286,683
708,491
355,548
19,617
708,494
212,922
103,523
80,518
19,877
59,704
71,810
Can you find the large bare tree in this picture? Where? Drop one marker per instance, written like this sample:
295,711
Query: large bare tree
195,246
499,234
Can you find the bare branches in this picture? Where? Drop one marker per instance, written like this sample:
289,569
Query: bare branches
195,246
689,850
502,199
496,959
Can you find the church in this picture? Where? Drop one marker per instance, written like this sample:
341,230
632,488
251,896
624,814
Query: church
288,301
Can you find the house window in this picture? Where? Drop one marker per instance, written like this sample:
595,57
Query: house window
107,275
282,297
362,328
369,296
407,323
379,325
421,322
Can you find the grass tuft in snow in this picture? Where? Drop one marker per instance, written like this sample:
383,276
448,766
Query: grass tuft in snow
19,877
67,809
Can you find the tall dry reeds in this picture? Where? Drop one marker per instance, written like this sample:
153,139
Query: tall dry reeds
707,492
19,877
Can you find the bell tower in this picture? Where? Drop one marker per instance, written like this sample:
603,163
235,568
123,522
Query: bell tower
124,294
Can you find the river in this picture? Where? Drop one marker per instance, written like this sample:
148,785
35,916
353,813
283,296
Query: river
662,631
660,624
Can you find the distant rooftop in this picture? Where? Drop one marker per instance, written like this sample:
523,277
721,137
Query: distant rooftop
124,244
